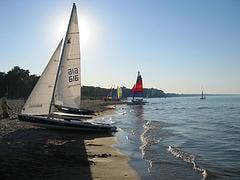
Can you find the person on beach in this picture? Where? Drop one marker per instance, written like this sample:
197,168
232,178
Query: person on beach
5,108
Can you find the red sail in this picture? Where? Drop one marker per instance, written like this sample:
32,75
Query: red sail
133,89
138,87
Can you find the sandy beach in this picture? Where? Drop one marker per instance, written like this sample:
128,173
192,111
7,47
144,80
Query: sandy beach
27,152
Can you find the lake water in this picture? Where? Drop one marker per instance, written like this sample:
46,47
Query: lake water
203,132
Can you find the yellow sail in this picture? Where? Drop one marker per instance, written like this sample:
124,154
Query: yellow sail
119,92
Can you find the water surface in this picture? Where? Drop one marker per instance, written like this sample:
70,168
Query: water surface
207,129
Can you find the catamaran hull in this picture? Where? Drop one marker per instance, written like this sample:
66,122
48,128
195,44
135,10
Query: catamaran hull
75,111
66,125
136,103
80,112
68,116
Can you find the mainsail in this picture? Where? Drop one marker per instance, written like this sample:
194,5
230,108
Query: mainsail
39,100
202,96
68,84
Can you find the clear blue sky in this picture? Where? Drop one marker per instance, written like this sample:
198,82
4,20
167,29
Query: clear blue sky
178,46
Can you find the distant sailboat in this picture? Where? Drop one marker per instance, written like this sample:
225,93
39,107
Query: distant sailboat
63,89
202,96
114,94
137,92
119,93
110,94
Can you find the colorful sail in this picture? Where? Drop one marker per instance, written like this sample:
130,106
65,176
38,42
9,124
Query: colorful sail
133,89
137,90
139,84
119,92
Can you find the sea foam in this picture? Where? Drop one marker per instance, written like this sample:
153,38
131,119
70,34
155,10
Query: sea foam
189,158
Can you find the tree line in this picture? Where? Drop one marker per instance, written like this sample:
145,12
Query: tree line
18,83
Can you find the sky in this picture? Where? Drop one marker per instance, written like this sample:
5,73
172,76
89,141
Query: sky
178,46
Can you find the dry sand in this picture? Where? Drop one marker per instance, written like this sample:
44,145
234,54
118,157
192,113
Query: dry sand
27,152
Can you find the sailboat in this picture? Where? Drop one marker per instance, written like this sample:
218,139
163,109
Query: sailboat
202,96
137,92
119,93
61,90
114,94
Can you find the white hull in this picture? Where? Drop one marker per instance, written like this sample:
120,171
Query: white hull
70,116
137,102
65,124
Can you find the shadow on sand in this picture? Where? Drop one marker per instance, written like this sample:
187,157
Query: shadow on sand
45,154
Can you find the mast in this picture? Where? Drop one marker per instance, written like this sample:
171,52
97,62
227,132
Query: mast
61,60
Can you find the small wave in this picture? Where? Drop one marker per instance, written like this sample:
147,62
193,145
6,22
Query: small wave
147,137
154,103
203,107
159,109
103,120
234,108
120,129
124,112
147,142
189,158
179,108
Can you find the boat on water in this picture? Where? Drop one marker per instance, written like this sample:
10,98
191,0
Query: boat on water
137,92
202,96
119,93
114,94
109,97
60,87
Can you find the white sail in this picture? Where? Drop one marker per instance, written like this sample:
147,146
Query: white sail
68,85
39,100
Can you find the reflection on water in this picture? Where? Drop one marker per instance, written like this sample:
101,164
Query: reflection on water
139,111
139,120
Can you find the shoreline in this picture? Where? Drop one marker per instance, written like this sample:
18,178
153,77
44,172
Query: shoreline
109,158
29,152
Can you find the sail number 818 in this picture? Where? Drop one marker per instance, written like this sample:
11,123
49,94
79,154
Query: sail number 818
73,75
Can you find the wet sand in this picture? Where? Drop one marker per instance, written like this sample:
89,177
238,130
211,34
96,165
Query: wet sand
27,152
109,163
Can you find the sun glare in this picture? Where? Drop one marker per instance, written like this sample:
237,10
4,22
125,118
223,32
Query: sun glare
58,29
84,31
